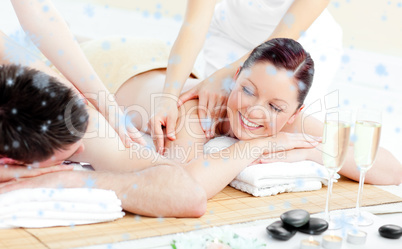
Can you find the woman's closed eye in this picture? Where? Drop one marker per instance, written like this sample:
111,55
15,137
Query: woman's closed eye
247,91
275,108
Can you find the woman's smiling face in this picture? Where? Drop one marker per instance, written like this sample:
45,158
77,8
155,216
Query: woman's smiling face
262,101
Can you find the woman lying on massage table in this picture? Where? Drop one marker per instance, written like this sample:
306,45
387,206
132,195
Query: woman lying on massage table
263,112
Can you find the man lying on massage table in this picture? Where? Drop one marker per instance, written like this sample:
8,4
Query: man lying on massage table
32,132
42,124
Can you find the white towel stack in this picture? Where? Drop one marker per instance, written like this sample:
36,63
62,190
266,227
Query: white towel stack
274,178
48,207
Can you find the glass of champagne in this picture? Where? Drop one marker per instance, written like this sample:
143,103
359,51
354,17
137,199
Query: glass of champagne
367,139
335,146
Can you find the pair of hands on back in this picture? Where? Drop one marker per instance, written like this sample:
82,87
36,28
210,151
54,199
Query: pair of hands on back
212,107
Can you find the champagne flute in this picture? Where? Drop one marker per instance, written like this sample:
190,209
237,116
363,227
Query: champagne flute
367,140
335,146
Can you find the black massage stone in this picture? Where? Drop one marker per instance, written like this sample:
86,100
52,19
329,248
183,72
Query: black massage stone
315,226
295,218
390,231
278,231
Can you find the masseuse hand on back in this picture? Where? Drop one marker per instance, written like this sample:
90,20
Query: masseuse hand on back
213,91
181,60
212,106
64,52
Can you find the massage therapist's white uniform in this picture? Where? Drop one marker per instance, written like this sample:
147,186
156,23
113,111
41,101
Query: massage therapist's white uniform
240,25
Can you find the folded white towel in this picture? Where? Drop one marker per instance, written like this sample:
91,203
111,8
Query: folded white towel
47,207
273,178
271,174
276,189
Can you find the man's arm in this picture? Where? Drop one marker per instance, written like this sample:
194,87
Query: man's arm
146,184
160,191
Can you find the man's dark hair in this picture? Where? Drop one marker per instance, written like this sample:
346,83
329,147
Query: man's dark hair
38,114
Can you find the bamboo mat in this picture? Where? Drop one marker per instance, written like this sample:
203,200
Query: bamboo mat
228,207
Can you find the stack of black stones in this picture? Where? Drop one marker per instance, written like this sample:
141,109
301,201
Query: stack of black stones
297,220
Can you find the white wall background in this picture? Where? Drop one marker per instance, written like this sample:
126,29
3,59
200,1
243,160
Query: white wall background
372,25
369,76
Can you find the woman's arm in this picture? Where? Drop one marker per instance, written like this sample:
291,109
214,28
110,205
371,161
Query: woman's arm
214,171
299,17
11,52
386,169
188,44
181,61
57,43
